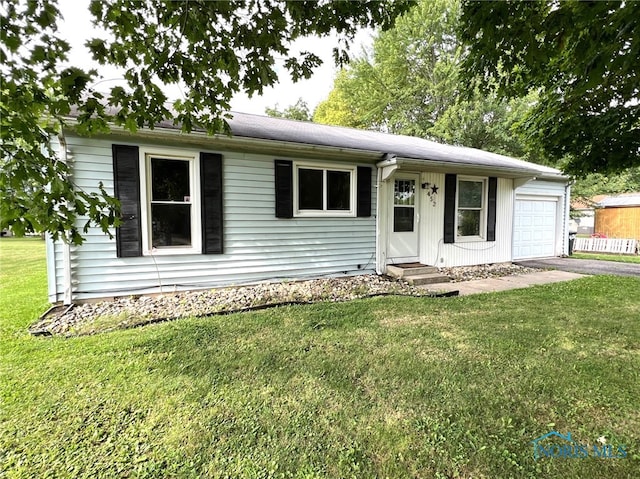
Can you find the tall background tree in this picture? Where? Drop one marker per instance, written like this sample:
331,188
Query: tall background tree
340,106
212,49
581,58
410,83
407,79
298,111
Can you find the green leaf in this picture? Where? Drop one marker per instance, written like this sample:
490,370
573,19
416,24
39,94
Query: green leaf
575,56
213,49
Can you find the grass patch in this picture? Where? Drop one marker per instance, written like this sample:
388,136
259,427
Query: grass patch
621,258
23,283
109,322
384,387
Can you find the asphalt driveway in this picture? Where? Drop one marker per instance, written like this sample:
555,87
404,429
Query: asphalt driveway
585,266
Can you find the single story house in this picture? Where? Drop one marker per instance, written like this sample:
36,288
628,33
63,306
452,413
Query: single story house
619,216
282,199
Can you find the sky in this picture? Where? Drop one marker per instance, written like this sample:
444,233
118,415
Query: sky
76,28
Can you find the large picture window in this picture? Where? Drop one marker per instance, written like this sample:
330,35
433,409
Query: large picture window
471,207
321,191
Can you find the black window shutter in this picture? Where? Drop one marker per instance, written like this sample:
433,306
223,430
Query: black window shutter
126,178
363,207
284,188
450,185
211,191
491,209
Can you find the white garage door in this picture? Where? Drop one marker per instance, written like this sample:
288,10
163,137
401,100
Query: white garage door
534,229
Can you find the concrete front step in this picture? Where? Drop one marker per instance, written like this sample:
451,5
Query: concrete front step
402,272
428,278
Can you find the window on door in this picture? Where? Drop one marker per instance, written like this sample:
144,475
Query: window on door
404,200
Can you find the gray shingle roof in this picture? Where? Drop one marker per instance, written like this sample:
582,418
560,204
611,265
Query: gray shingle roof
256,126
244,125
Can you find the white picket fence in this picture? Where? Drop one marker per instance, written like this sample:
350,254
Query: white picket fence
606,245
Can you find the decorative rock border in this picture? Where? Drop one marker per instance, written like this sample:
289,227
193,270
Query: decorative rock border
485,271
132,311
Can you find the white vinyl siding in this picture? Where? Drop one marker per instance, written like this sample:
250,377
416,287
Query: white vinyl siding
542,187
257,245
433,250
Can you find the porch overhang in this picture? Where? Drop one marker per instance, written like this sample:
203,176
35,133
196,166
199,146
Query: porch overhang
393,163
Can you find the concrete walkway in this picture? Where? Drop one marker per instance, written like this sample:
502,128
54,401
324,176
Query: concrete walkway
506,282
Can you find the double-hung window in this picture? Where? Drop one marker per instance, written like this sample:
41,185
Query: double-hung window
471,208
171,212
324,191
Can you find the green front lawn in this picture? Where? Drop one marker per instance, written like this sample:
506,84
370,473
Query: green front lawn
622,258
384,387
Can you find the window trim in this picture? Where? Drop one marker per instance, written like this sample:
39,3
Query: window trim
483,208
193,157
351,169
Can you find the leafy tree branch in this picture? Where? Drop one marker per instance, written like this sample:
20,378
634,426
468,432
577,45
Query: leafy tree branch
581,58
212,49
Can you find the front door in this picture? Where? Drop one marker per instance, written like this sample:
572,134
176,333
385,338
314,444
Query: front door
403,237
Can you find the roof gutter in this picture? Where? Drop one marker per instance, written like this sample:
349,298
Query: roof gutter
241,143
280,147
444,166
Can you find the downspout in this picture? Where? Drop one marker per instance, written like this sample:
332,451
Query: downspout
67,293
52,284
379,254
565,223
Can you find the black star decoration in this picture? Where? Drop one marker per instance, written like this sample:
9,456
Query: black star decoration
434,190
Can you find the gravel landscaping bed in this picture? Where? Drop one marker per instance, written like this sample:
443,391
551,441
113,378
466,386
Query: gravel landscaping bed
131,311
126,312
485,271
